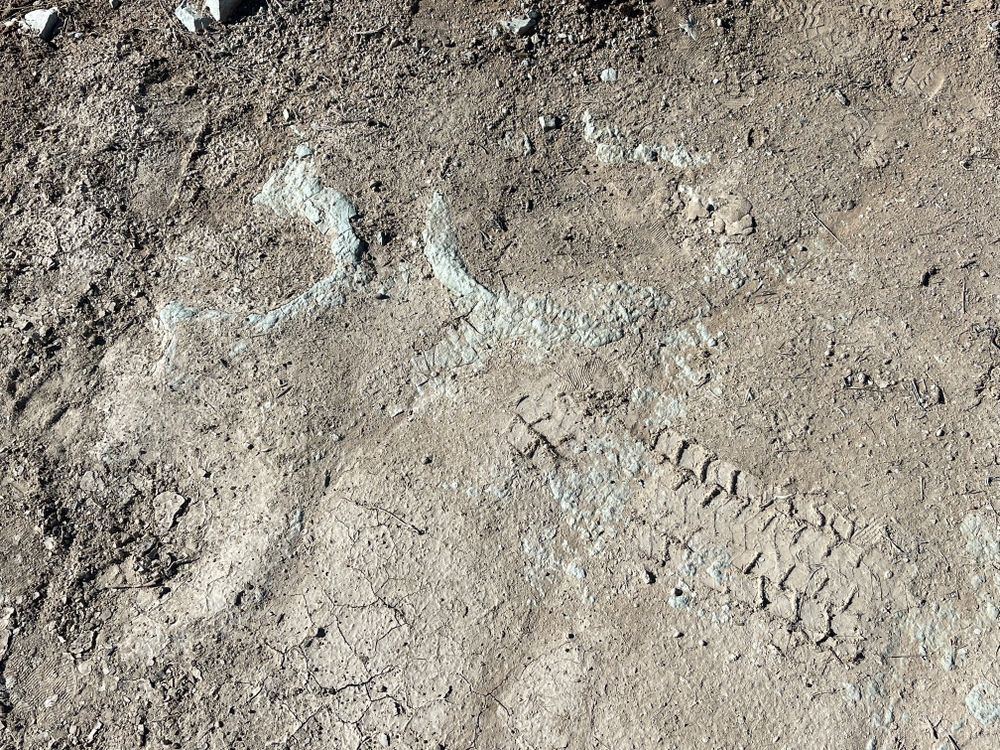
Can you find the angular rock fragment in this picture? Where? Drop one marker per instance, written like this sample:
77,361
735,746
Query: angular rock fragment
524,26
549,122
191,19
223,11
42,22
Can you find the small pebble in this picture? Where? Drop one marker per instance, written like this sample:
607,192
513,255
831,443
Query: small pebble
549,122
524,26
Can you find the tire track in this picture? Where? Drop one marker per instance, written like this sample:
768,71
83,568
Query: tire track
810,567
814,572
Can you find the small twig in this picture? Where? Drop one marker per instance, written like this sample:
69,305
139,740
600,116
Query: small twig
827,228
372,32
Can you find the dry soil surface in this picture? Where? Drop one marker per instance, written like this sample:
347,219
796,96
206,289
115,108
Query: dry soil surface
379,375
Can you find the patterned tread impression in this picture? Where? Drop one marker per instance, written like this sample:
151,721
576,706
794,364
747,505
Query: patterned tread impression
813,570
741,548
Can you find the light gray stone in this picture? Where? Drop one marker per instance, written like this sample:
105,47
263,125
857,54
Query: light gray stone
191,20
222,10
549,122
42,22
524,26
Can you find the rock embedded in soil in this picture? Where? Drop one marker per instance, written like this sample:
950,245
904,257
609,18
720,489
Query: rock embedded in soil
42,22
223,11
524,26
190,19
549,122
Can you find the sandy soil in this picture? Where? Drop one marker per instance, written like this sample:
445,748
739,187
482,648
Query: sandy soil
375,375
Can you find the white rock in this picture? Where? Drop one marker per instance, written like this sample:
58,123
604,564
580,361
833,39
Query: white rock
42,22
522,26
222,10
192,21
609,75
549,122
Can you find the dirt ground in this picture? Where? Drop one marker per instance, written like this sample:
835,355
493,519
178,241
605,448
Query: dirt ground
385,374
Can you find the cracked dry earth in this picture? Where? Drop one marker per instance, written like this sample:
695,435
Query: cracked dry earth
349,404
